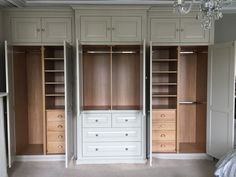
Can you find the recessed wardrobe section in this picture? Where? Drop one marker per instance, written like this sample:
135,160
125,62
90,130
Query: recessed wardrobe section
178,99
111,102
39,89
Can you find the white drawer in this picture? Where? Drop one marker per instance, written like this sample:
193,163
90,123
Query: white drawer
96,120
112,149
126,120
111,134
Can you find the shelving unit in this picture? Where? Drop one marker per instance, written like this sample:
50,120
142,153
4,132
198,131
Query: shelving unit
164,84
54,99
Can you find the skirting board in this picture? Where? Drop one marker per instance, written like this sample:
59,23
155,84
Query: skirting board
110,161
25,158
183,156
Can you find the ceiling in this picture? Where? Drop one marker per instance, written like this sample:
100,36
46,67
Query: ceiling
43,3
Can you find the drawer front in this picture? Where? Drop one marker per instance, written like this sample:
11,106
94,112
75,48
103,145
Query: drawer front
164,147
163,126
56,126
96,120
164,135
112,149
56,147
111,134
164,115
55,136
55,115
126,120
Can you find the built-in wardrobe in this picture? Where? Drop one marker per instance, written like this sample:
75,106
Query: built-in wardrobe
178,99
111,125
39,102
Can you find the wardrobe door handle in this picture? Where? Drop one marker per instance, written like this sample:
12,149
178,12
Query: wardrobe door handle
38,30
60,116
96,149
60,146
43,29
163,145
163,135
59,126
96,120
60,136
163,115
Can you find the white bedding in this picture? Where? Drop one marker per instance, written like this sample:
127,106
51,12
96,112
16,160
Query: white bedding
226,167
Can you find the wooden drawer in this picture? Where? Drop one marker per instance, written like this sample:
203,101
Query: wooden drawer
55,136
164,115
55,115
96,120
55,147
164,126
112,149
163,146
163,135
111,134
126,120
56,126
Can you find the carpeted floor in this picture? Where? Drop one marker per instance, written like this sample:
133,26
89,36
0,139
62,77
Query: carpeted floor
161,168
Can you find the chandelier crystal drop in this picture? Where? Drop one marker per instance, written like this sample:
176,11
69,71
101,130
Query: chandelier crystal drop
210,10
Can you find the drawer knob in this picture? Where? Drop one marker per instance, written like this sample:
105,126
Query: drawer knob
126,149
60,146
96,134
59,126
60,116
163,135
96,120
126,120
96,149
126,134
163,145
163,115
60,136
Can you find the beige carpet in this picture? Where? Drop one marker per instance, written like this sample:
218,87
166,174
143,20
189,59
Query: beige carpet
161,168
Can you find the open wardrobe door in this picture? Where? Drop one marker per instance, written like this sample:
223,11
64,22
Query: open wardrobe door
69,133
221,92
10,104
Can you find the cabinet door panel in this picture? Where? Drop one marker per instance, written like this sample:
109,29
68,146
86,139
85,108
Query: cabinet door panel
191,31
95,29
126,29
26,30
56,29
165,30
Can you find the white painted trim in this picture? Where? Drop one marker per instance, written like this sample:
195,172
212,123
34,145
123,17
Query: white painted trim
30,158
111,161
186,156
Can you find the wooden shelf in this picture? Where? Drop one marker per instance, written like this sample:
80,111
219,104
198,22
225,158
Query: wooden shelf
164,72
163,84
54,71
55,95
163,107
54,59
164,60
54,83
163,95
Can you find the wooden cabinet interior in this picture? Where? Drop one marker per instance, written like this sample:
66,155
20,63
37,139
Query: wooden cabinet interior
192,99
27,81
111,77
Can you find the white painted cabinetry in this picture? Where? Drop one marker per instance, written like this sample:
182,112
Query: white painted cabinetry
106,29
178,30
37,30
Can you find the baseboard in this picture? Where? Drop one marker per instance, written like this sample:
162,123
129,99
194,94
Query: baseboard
182,156
25,158
111,161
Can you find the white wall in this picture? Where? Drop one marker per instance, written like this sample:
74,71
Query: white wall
225,28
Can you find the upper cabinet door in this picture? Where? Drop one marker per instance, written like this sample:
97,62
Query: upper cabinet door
56,30
220,109
165,30
26,30
96,29
192,32
126,29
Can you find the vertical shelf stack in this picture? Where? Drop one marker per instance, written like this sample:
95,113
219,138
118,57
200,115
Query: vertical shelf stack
54,91
164,98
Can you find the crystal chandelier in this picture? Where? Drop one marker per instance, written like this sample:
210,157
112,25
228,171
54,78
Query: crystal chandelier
210,9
